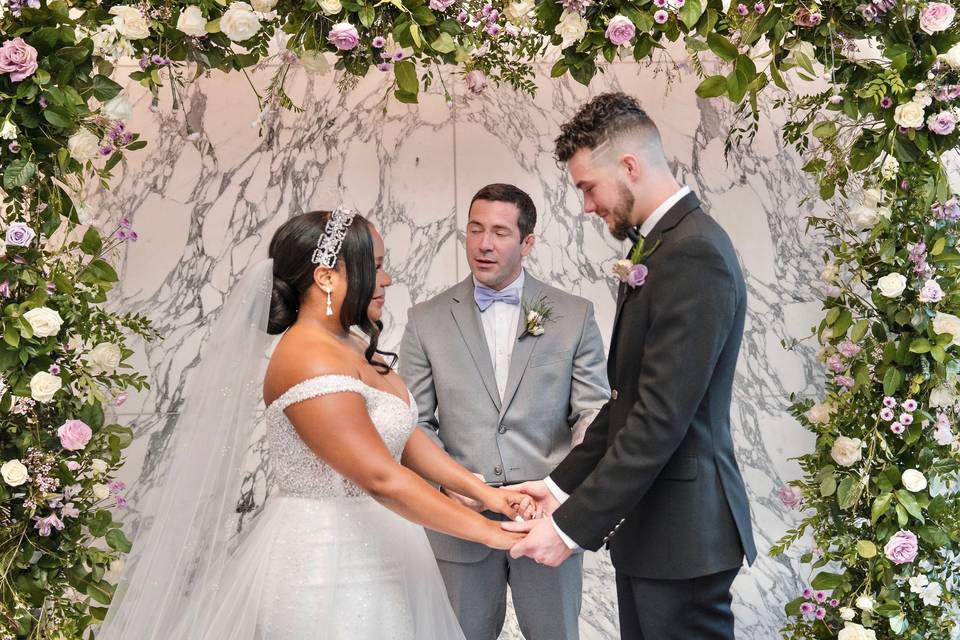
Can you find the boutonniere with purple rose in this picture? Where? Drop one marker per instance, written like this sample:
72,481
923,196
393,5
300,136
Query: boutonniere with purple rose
630,270
536,316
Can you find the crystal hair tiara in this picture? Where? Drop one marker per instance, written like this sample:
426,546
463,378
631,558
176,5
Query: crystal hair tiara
328,244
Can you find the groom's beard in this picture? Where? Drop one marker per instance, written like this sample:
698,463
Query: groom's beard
620,214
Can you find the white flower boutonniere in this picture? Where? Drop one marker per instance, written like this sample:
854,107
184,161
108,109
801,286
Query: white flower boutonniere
536,317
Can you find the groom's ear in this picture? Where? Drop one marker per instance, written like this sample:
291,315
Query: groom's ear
631,166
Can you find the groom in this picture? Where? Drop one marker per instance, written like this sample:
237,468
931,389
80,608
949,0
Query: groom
507,399
655,479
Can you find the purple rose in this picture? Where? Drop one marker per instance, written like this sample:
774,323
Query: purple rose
18,59
476,81
20,234
344,36
942,123
661,16
936,17
74,435
637,275
790,496
620,30
902,547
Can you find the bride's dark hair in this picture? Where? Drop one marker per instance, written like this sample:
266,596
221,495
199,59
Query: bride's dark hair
292,250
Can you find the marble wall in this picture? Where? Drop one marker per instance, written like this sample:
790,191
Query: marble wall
205,209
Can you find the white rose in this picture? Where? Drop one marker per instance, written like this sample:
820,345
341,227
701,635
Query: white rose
909,115
14,473
855,631
330,7
942,397
263,6
119,108
517,12
947,323
572,27
872,197
846,452
101,491
130,23
820,412
45,322
848,614
952,57
864,217
892,285
44,386
315,62
83,145
8,131
830,272
913,480
239,22
192,22
865,603
105,357
98,465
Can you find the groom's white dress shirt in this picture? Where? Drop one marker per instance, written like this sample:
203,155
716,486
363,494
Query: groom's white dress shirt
500,322
645,228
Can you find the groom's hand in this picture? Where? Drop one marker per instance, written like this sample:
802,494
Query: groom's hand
542,543
538,490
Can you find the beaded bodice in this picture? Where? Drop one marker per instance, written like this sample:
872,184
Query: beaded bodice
297,470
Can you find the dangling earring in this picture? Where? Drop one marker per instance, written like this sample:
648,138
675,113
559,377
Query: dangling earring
329,304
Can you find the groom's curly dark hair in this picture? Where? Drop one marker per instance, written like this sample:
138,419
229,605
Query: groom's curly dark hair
606,116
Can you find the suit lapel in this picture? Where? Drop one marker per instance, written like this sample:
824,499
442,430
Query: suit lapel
522,348
467,316
671,218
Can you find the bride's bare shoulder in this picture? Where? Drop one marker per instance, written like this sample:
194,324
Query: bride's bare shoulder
302,356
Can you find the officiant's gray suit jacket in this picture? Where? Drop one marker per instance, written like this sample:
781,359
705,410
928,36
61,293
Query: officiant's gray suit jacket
557,383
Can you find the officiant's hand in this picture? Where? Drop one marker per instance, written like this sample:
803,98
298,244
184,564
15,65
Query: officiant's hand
542,544
538,491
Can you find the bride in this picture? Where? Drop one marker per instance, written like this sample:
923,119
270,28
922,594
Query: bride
339,552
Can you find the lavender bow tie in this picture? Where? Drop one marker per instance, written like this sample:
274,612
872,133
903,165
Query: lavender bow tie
486,296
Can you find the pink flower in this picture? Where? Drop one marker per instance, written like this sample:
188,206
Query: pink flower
44,525
344,36
820,596
845,381
69,511
790,496
476,81
759,7
835,364
910,405
807,608
5,288
897,428
936,17
808,593
803,18
742,9
116,486
848,349
834,602
621,29
821,613
661,17
18,59
73,465
889,402
121,502
906,419
440,5
902,547
887,414
74,435
378,42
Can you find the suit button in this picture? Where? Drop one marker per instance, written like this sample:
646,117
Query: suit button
502,429
614,394
498,470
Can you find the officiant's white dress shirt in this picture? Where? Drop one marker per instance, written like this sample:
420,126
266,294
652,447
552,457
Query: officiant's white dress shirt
500,322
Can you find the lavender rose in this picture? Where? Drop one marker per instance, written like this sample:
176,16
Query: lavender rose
476,81
620,30
18,59
74,435
440,5
19,234
637,276
936,16
942,123
790,496
344,36
902,547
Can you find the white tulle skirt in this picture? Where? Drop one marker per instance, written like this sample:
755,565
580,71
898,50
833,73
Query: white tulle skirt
331,569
